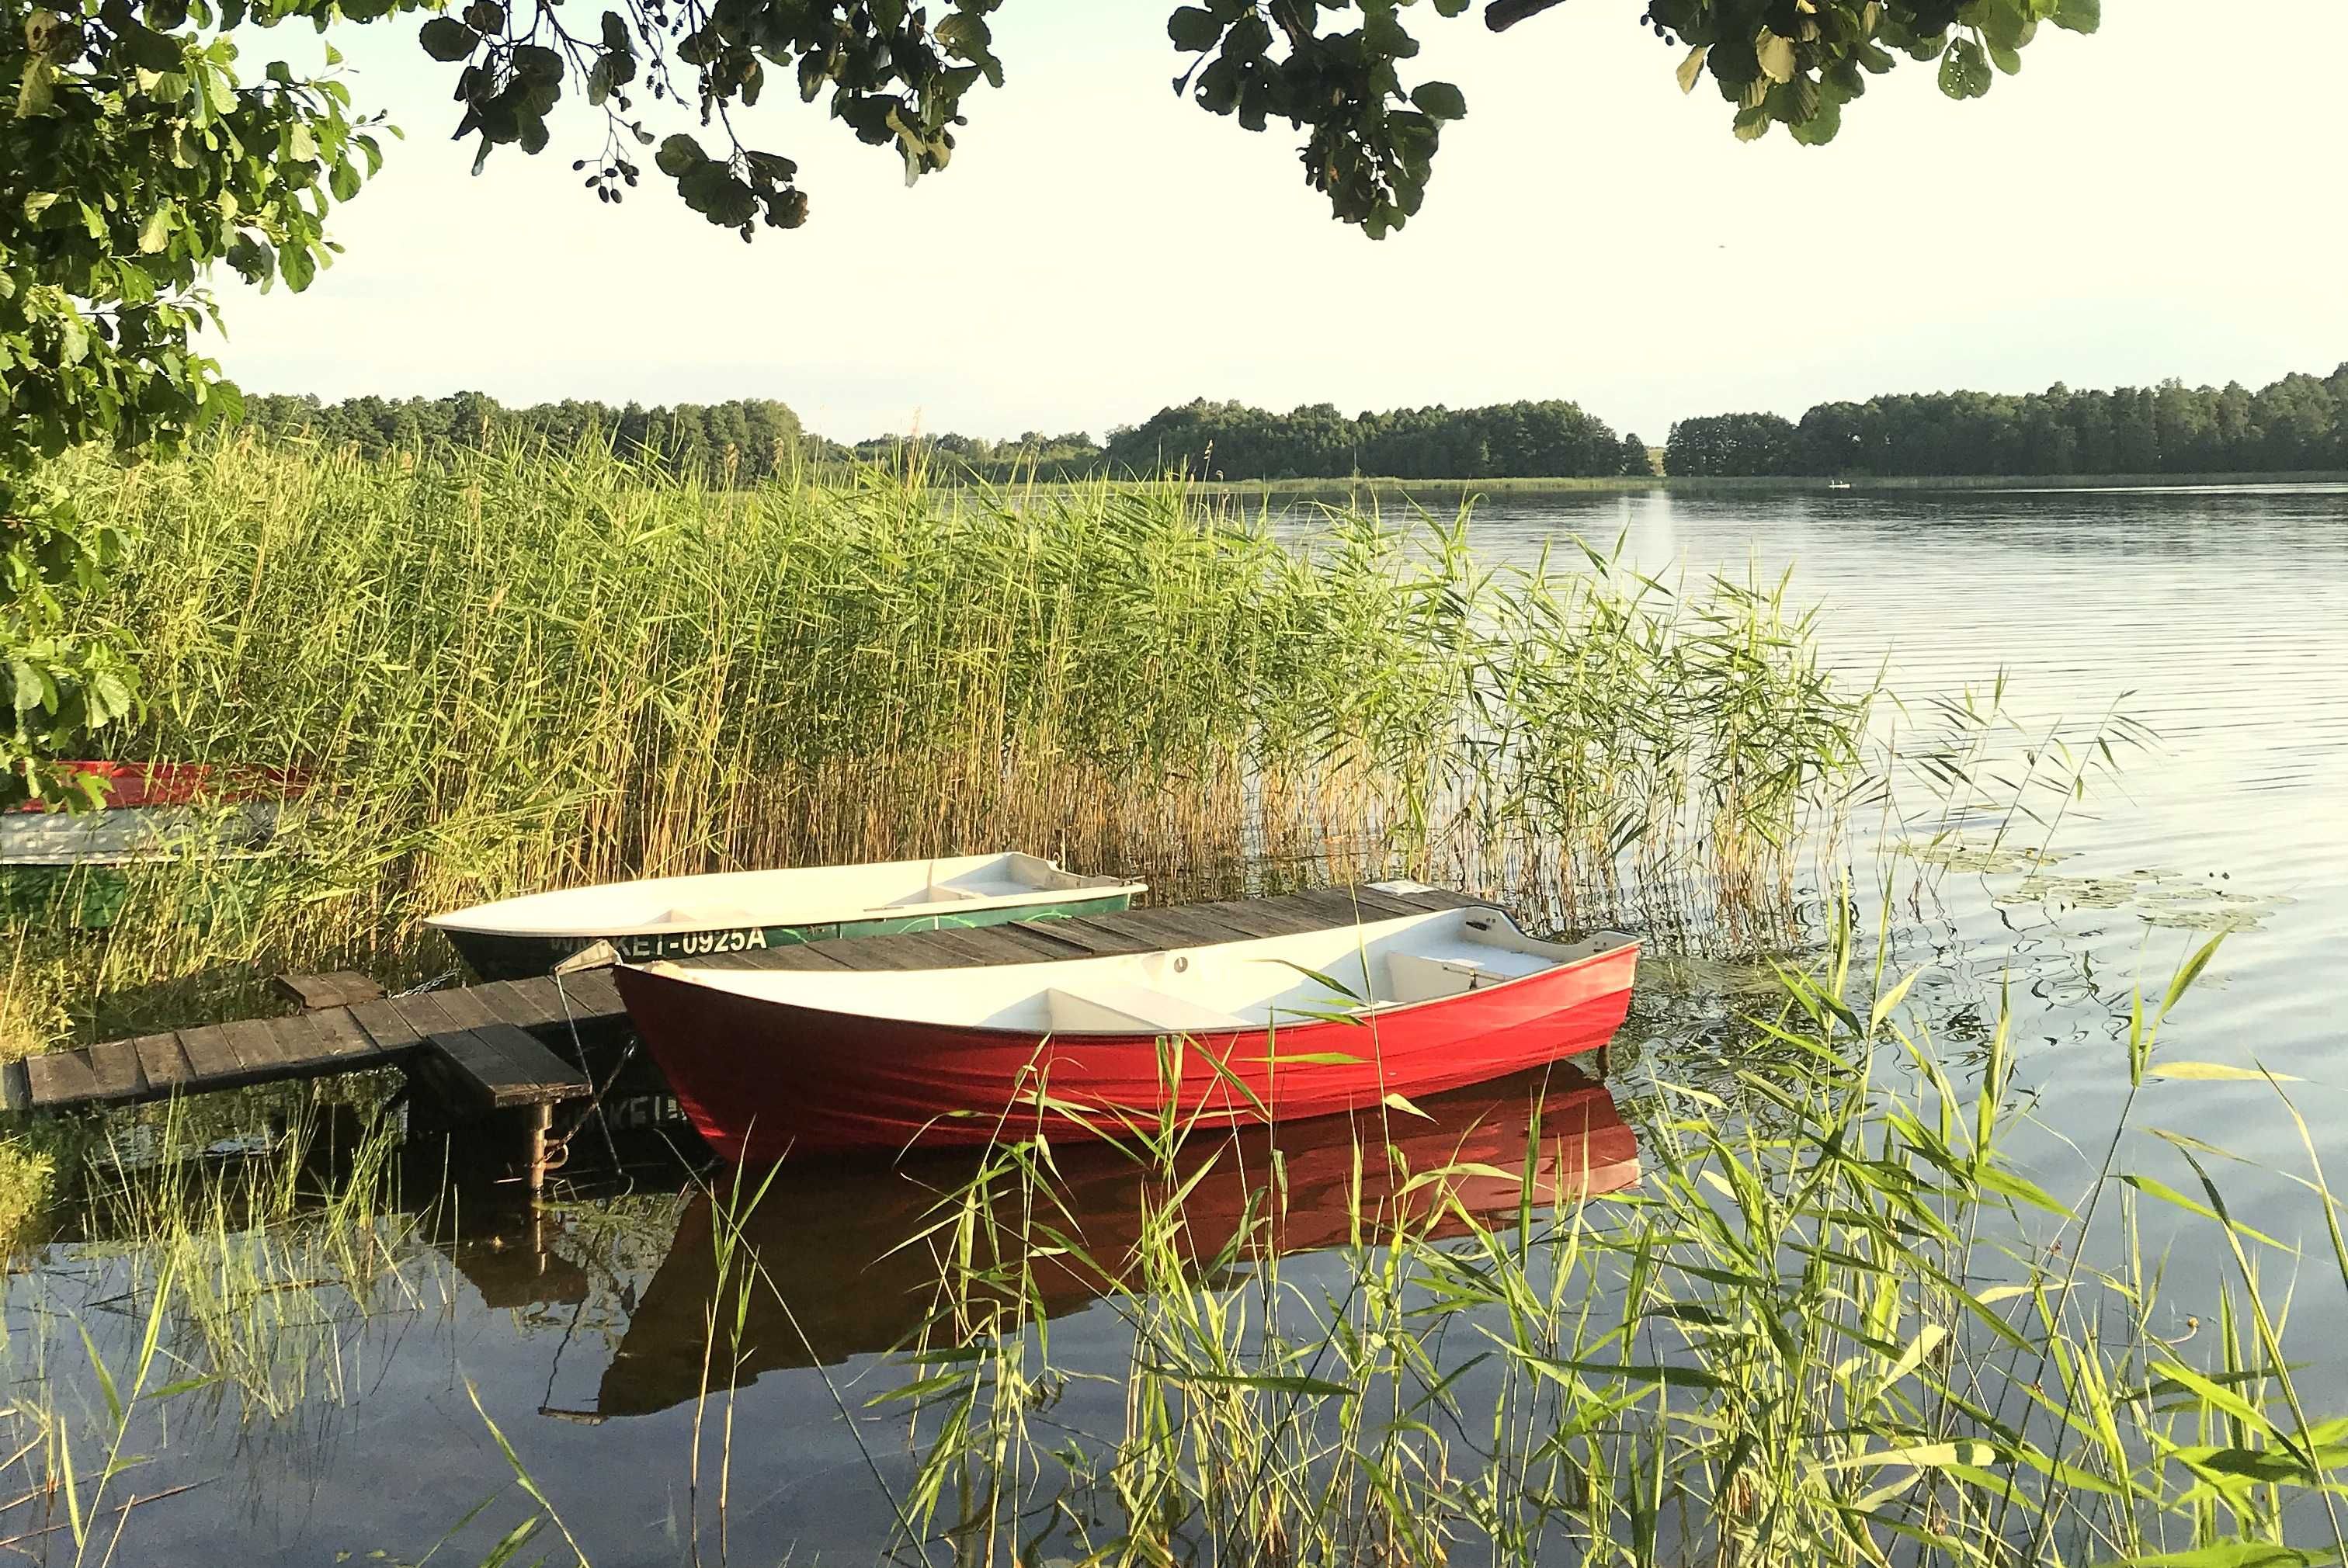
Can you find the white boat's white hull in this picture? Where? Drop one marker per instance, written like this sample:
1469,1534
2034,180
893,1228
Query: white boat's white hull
686,918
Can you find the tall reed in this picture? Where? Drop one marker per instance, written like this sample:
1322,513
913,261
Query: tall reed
527,670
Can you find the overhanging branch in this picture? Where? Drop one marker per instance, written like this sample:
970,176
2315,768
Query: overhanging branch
1502,14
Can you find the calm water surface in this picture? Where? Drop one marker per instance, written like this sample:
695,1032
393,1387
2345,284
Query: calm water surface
2217,619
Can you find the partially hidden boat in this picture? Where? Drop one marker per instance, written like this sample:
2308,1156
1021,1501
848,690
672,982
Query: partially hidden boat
771,1061
688,917
75,865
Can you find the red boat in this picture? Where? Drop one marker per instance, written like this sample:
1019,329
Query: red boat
775,1062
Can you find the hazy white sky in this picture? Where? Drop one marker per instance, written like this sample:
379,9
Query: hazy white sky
2161,199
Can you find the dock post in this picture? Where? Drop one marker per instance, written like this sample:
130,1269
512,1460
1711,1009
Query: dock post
541,1122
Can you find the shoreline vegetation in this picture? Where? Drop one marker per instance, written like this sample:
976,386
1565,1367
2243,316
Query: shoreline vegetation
515,669
2296,426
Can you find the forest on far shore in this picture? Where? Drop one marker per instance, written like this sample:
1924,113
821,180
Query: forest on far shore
2299,424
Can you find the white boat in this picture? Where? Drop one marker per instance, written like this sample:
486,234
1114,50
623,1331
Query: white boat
741,911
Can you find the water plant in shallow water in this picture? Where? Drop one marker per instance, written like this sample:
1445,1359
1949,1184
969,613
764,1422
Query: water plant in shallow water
1835,1323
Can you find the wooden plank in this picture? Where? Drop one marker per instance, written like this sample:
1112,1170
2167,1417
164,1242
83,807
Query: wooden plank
535,1066
961,949
1104,938
500,1066
1081,944
340,1037
1449,899
864,952
61,1078
115,1065
387,1026
209,1054
1070,944
911,950
339,988
799,956
593,994
1021,947
1179,929
166,1065
478,1066
256,1048
461,1004
533,1003
421,1011
1262,918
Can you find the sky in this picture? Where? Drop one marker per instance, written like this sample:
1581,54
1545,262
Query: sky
2161,199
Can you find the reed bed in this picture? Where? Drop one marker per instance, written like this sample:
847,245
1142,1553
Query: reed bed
1834,1323
526,670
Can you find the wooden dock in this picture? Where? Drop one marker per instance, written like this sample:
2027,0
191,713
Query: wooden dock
488,1044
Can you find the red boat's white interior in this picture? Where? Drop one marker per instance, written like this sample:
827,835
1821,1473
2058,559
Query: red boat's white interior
1354,970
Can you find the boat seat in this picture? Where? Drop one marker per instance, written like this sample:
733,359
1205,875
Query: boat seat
1417,978
938,893
709,915
1121,1009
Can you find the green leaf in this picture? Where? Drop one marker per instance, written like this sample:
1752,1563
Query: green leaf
2191,972
1691,68
446,38
1439,100
2153,1187
1965,73
2206,1071
2079,16
296,265
679,156
1775,55
156,232
1193,29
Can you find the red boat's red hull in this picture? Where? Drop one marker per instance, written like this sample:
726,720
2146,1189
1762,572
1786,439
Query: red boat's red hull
761,1078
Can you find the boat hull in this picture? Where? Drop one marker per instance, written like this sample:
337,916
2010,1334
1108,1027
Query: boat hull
501,956
761,1078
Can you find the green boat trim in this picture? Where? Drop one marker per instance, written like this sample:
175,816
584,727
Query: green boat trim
495,956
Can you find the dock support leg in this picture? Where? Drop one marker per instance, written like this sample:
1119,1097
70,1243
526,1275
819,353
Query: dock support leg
541,1122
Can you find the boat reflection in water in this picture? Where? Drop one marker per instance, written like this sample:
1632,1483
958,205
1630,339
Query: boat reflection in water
832,1238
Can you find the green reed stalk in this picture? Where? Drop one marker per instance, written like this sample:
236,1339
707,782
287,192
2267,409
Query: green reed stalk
525,670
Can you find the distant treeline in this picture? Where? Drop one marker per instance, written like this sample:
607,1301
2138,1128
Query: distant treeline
1506,440
2299,424
752,437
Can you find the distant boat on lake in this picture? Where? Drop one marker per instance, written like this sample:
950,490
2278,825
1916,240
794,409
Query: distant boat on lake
686,918
770,1061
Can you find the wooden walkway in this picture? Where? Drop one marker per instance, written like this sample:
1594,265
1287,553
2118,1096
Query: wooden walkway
490,1041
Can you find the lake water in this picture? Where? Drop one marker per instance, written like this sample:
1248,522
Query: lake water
2220,620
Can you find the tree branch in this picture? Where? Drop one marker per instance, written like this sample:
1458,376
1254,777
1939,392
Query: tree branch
1502,14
